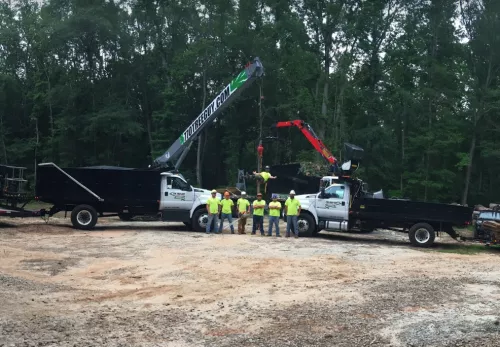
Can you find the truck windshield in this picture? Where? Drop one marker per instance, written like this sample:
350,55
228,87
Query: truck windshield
490,215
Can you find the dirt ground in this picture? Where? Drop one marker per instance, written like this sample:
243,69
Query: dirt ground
154,284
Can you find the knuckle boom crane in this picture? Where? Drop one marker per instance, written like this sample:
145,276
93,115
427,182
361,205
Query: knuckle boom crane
353,152
179,149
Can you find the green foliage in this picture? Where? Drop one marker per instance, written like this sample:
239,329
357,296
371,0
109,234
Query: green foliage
115,83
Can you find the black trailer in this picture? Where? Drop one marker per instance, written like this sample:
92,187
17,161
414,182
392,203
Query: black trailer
102,191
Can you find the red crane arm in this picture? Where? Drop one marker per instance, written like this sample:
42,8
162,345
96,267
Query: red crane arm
310,136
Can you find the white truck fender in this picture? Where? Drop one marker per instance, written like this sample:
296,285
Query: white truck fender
306,205
312,209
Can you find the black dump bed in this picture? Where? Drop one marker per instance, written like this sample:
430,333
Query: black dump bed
403,211
292,176
119,188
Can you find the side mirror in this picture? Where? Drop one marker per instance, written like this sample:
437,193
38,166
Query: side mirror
322,193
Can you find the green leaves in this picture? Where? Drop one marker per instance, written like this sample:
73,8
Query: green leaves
117,82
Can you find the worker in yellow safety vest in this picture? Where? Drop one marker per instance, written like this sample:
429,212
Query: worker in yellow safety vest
265,176
258,214
243,212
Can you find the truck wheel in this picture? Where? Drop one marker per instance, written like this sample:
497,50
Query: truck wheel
422,235
200,219
84,217
305,224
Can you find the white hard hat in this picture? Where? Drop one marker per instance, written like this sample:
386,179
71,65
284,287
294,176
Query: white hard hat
243,193
292,192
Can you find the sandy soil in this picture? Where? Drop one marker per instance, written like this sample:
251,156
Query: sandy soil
153,284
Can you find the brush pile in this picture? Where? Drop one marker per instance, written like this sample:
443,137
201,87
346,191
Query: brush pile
493,228
308,168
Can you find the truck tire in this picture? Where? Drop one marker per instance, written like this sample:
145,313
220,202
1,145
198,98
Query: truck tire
306,225
422,235
199,220
84,217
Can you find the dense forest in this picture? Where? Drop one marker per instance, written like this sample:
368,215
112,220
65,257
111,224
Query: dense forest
115,82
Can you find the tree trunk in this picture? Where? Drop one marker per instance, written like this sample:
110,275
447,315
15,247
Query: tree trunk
324,105
199,152
150,132
469,168
36,145
403,126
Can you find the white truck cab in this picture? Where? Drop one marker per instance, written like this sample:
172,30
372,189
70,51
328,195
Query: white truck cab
328,210
181,202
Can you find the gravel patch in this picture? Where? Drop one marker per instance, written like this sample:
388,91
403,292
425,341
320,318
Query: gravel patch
151,284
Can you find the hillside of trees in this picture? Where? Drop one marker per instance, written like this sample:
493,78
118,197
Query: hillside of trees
115,82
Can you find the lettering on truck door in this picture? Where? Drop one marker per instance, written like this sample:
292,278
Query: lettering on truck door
332,205
179,195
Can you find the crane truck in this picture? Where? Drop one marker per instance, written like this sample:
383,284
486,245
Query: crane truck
101,191
344,204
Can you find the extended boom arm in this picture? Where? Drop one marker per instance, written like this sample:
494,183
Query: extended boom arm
311,136
228,95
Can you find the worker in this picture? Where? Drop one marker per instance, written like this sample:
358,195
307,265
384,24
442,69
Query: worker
213,209
265,176
292,211
258,214
226,211
243,206
274,216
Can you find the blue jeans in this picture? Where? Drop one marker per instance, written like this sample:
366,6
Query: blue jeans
291,220
274,220
258,220
229,217
212,217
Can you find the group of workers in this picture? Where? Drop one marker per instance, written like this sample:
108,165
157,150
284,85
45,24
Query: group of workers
225,208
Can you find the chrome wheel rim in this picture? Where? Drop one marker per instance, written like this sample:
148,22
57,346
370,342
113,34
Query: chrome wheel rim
422,235
84,217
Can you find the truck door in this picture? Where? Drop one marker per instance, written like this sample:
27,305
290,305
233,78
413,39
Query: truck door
178,195
334,203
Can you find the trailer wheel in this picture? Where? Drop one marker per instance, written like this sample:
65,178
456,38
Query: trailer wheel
306,225
84,217
422,235
200,219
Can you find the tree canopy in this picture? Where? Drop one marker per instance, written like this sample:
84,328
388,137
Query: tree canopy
115,82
